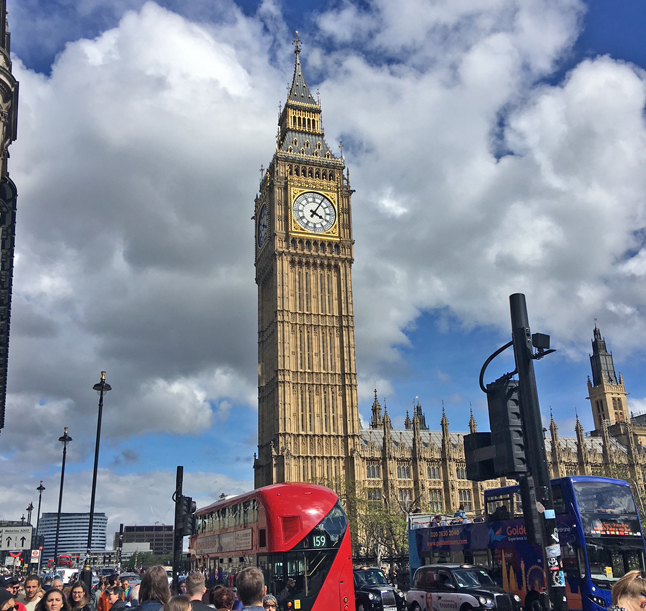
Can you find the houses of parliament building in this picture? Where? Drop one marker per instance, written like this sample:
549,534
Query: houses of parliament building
308,419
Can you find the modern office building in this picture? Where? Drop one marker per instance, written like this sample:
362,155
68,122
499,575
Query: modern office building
72,538
159,536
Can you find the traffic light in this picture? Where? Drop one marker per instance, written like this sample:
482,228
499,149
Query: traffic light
501,452
506,423
186,522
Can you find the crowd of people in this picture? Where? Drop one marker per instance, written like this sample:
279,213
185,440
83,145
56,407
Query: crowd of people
153,594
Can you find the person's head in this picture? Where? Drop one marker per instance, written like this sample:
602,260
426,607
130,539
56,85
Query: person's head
195,586
133,595
222,598
182,586
251,586
125,583
57,584
13,586
7,602
112,580
630,592
178,603
115,593
48,580
53,600
154,585
270,603
32,585
79,595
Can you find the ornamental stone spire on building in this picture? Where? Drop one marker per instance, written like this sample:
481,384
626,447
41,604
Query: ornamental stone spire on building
375,421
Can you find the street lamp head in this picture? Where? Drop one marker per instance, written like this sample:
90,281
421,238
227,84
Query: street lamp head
41,487
30,507
102,386
65,439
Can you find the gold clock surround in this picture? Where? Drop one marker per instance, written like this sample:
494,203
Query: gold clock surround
332,232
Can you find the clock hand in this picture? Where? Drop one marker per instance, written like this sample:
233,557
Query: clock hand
314,213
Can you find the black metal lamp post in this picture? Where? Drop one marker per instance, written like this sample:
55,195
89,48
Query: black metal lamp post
65,439
102,387
40,497
37,542
30,508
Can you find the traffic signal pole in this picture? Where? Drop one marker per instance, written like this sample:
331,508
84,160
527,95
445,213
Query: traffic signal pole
536,455
178,534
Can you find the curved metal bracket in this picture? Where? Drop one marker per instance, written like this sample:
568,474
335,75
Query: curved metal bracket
486,364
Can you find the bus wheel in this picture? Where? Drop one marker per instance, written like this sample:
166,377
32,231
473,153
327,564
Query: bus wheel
360,607
416,607
466,608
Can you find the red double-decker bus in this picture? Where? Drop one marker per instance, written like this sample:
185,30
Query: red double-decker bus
297,534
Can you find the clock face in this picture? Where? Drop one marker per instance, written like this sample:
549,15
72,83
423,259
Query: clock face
314,212
263,225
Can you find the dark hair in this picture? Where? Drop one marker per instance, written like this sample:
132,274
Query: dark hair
86,595
32,578
48,594
251,586
112,579
222,598
154,585
116,590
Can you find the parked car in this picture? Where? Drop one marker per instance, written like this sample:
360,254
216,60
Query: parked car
373,593
458,586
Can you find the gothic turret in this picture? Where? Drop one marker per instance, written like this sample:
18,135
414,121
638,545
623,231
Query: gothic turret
473,427
606,391
556,449
375,420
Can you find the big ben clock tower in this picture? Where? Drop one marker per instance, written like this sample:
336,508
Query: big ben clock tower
308,419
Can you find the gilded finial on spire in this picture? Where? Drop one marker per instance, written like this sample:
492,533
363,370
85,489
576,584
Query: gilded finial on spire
341,147
297,44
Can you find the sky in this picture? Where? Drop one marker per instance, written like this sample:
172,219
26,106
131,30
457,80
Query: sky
494,147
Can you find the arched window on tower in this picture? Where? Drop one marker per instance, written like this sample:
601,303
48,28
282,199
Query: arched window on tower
307,337
311,418
321,292
325,411
323,352
299,292
300,349
332,409
307,288
302,411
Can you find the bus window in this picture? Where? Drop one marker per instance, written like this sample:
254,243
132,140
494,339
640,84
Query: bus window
518,505
498,507
560,506
570,561
481,557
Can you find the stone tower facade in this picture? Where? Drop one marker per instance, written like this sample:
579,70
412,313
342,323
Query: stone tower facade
606,391
308,418
8,194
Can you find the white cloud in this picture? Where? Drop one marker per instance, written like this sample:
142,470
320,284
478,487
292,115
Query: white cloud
137,161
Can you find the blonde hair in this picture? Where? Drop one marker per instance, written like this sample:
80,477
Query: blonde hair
631,585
